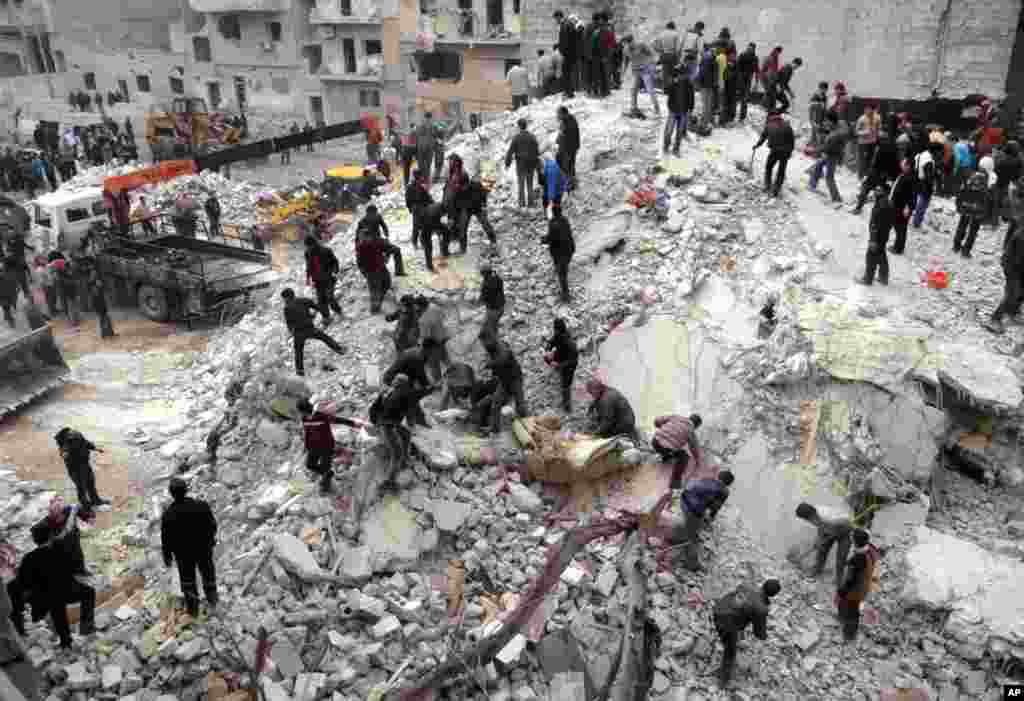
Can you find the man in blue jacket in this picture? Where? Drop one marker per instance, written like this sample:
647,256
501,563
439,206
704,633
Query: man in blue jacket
553,181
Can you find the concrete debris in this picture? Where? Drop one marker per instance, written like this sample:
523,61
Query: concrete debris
295,557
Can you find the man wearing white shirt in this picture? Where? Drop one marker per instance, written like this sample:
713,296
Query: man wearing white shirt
519,81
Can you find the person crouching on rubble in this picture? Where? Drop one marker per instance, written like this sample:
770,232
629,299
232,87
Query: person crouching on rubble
610,411
700,502
675,441
396,402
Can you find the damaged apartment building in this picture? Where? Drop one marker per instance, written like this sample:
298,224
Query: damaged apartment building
338,60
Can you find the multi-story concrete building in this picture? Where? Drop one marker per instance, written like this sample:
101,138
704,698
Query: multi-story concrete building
26,32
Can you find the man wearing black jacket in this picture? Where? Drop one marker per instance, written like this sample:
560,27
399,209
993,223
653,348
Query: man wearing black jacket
1013,269
781,142
568,47
681,100
783,91
901,196
882,217
746,68
47,580
75,449
492,296
471,201
298,316
431,222
417,197
322,271
562,246
885,167
188,532
526,152
746,605
563,355
506,369
568,144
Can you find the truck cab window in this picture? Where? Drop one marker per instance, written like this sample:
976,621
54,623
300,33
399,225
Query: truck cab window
42,217
76,214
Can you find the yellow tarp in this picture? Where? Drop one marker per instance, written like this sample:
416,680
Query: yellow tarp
559,461
346,172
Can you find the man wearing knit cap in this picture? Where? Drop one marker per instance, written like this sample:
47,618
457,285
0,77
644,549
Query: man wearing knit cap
610,411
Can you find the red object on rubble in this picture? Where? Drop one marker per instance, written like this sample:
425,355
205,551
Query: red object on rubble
937,279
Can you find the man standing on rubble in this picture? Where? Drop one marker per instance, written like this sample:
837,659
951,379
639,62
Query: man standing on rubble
188,533
883,216
568,47
610,412
568,145
432,222
563,355
212,207
492,296
426,140
298,316
506,369
562,246
700,503
8,290
832,155
526,151
834,528
412,364
321,272
668,46
851,592
372,260
1013,269
884,168
781,142
319,440
398,401
16,247
407,331
747,67
75,450
746,605
681,101
644,63
417,197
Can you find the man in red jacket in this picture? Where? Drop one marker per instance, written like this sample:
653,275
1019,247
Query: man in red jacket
320,444
372,260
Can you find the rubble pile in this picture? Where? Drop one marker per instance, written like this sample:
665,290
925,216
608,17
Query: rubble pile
93,176
665,305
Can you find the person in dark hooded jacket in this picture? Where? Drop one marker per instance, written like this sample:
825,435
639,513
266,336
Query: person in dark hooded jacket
883,215
781,142
188,533
562,246
746,605
75,449
8,289
610,412
700,501
417,198
1013,271
884,168
322,272
563,355
432,222
298,316
398,401
681,101
506,369
407,332
568,144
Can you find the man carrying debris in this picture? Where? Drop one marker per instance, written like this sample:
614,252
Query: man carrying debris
322,273
75,449
49,581
563,355
412,364
851,592
746,605
298,316
397,402
188,533
319,440
372,260
417,197
492,296
781,142
834,528
610,412
675,441
883,215
526,151
700,503
562,246
505,367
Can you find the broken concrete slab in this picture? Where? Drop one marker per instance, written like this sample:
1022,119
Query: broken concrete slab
524,499
894,523
286,658
984,592
664,367
560,656
976,378
294,556
273,434
450,515
391,533
437,446
604,233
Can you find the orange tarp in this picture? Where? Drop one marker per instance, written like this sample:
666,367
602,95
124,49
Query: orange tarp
149,176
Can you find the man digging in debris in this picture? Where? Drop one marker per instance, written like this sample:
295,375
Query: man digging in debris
412,363
850,594
506,369
563,355
397,402
834,528
492,296
701,501
746,605
562,246
407,330
319,440
188,533
298,315
610,412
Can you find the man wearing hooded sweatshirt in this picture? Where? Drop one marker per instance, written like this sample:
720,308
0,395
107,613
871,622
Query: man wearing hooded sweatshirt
562,246
298,317
568,144
883,215
505,367
188,533
744,606
781,142
747,67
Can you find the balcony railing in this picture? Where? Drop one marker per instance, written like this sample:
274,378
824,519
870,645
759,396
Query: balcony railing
451,24
334,15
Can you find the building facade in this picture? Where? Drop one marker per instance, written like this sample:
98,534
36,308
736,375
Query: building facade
26,37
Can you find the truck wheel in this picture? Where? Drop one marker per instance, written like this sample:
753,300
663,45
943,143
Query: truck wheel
153,303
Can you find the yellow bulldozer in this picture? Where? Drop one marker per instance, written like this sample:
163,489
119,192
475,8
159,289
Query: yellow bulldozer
187,128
